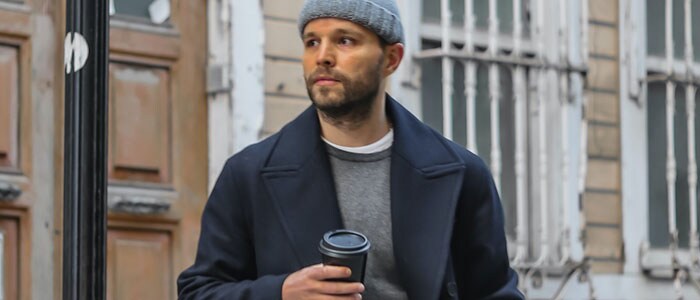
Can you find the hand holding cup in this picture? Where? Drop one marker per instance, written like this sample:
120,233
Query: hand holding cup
345,248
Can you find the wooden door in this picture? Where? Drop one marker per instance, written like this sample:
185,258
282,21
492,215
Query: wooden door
23,27
157,162
157,145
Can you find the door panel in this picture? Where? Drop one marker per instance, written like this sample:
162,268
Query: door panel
157,141
139,264
139,105
157,146
10,257
17,173
9,105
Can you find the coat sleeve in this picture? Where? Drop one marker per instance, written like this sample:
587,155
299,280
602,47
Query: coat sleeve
480,258
224,267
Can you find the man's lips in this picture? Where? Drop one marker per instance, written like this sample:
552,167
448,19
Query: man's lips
323,80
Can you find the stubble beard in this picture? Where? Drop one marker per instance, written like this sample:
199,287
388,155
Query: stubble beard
350,106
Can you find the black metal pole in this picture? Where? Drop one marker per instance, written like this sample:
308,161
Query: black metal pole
85,188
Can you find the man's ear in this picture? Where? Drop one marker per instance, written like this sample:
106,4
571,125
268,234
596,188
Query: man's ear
393,56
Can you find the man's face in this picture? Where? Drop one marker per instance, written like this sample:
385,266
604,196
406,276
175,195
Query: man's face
343,64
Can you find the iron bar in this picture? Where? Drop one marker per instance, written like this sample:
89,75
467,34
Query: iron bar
500,59
677,78
692,173
542,140
446,19
564,106
521,229
494,95
470,76
692,166
670,138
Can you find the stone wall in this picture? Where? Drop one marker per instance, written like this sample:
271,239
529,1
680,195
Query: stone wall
602,200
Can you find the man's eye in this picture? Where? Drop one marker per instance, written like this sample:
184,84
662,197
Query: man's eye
311,43
346,41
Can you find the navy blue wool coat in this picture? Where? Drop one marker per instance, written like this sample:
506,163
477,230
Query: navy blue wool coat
274,201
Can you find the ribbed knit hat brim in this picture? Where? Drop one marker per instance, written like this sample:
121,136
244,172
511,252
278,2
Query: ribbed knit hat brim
380,16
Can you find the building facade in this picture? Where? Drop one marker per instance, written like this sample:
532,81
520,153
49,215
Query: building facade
579,108
157,163
585,111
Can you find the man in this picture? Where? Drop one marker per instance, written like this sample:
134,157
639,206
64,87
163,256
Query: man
358,160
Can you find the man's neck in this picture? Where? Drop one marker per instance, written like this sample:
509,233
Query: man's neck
357,134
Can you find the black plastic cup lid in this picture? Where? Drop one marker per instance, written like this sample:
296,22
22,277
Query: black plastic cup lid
344,241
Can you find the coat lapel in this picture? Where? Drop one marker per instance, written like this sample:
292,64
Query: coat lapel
425,179
426,176
298,178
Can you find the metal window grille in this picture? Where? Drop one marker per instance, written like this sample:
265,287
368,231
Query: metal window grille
500,77
672,79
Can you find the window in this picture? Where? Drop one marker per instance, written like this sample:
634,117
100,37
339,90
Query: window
673,69
9,107
153,11
487,72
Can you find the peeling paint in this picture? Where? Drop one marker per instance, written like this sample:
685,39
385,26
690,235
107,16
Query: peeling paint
159,11
76,49
136,75
45,56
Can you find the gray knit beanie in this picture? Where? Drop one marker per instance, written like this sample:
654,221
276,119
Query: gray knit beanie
380,16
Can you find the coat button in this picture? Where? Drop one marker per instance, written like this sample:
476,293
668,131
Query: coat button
452,289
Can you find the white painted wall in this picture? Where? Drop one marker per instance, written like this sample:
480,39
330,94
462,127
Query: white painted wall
248,36
405,83
236,55
633,134
236,42
43,144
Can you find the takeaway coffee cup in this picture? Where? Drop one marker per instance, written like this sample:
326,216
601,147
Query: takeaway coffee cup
345,248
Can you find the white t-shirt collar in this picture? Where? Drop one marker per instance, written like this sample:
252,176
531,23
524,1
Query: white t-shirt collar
378,146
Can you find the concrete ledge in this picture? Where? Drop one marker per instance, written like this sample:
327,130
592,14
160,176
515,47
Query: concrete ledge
614,286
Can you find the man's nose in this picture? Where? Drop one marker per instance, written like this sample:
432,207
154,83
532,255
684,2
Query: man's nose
325,55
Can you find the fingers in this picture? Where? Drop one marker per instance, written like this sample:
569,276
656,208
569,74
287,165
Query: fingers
321,282
326,285
349,297
349,289
321,272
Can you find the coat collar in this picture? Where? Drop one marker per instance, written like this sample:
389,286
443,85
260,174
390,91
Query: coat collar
414,141
419,145
425,182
